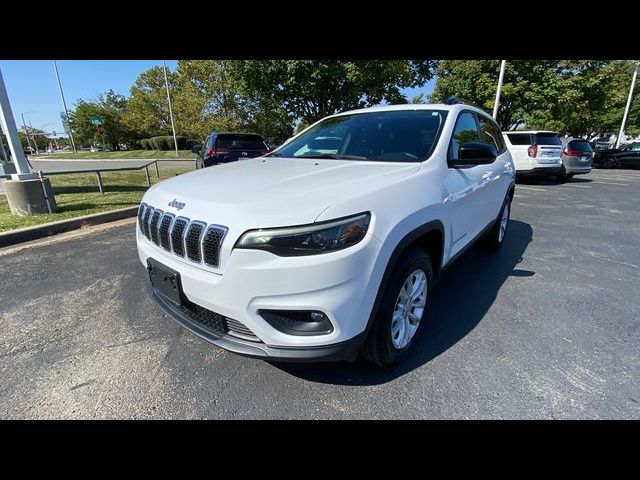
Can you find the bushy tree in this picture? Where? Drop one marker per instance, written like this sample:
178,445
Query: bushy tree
111,108
312,89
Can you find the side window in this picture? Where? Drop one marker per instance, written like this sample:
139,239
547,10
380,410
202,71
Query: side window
466,130
491,134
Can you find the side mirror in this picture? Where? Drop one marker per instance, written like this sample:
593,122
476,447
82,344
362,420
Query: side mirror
196,149
474,153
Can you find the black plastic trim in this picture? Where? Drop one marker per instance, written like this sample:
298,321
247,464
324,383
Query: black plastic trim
431,226
347,350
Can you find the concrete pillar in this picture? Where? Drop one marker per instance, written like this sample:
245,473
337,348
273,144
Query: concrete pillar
27,197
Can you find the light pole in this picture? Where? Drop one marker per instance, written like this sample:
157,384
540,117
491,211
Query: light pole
64,105
26,130
166,83
497,102
628,107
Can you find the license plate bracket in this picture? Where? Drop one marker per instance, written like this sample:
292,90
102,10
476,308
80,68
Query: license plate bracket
165,281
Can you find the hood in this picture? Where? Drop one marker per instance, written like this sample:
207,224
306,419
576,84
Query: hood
271,192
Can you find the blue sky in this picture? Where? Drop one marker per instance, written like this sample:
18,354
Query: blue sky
32,87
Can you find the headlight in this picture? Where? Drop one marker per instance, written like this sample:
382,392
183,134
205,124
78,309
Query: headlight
308,239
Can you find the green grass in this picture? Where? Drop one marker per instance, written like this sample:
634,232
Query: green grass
78,195
124,154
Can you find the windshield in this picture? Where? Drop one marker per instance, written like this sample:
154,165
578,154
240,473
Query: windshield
389,136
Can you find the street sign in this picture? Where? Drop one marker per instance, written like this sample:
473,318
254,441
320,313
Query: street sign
97,121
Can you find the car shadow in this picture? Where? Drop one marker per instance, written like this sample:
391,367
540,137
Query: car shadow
459,302
551,180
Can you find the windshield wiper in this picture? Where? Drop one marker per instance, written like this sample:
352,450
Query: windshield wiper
333,156
274,154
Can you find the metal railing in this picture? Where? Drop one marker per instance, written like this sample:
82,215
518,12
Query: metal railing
99,171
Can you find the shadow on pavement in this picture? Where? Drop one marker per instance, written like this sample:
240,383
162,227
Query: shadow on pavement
458,304
551,180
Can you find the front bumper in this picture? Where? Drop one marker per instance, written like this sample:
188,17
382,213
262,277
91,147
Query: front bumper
347,350
341,284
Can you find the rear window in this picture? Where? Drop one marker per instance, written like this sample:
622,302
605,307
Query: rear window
239,141
519,138
547,139
579,146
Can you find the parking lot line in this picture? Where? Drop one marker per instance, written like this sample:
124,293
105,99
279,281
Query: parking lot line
611,183
576,185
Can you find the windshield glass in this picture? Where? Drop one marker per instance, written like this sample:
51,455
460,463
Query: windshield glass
388,136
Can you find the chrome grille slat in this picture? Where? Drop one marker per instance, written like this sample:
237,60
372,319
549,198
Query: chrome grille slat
191,239
153,225
163,230
141,212
211,244
177,235
147,218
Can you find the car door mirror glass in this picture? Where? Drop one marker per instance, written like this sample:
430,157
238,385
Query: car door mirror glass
475,153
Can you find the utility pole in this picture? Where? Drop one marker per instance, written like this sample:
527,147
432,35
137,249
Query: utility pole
497,102
64,105
628,107
166,83
26,131
34,138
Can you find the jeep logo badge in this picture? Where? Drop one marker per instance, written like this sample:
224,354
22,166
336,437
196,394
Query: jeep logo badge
176,204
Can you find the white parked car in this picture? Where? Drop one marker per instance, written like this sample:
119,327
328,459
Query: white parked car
326,248
535,152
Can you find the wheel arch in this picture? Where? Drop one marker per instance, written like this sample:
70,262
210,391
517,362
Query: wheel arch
430,237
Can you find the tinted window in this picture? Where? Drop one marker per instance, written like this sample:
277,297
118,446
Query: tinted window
239,141
490,133
465,130
547,139
519,138
392,136
579,146
635,147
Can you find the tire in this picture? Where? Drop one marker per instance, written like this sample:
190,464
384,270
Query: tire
495,238
608,163
380,346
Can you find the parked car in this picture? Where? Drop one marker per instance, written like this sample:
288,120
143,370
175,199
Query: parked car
535,152
319,253
225,147
628,156
576,157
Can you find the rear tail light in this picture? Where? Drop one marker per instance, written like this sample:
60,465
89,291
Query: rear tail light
575,153
216,151
532,151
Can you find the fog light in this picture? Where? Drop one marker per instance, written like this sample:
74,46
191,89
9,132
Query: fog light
298,322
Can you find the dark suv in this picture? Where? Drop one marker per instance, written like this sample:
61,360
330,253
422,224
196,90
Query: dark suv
225,147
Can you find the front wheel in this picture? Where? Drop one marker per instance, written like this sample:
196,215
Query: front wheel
401,311
495,238
608,163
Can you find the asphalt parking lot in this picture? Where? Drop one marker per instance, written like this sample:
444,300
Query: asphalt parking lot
547,328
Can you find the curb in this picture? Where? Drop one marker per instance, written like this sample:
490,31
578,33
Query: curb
26,234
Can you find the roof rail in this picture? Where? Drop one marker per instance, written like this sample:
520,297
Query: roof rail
452,100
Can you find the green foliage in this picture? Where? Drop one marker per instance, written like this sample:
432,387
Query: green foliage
144,143
110,107
577,97
312,89
159,143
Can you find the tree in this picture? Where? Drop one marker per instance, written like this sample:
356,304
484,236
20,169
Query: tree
110,108
313,89
147,112
565,95
619,75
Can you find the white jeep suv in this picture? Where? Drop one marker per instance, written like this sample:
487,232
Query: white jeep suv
329,245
